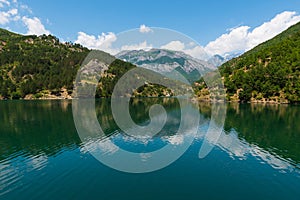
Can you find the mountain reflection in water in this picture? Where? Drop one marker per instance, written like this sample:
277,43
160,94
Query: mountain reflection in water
36,136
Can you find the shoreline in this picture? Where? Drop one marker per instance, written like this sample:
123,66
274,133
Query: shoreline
192,99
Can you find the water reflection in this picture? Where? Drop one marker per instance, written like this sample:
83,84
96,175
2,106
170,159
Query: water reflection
159,123
35,132
241,149
274,128
35,127
31,132
47,127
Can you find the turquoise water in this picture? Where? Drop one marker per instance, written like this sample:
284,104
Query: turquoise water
42,156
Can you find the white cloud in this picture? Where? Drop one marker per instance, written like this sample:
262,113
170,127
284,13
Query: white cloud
11,14
3,3
16,18
13,11
197,52
270,29
104,42
101,42
174,45
6,17
238,39
145,29
26,8
242,39
235,40
34,26
142,45
191,49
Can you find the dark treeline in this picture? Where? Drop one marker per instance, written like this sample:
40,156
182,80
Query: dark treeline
31,64
38,65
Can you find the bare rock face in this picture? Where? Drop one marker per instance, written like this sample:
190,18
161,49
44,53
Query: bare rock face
165,61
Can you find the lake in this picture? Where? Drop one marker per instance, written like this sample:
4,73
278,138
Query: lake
257,156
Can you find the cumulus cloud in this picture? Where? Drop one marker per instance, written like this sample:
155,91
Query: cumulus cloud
174,45
235,40
101,42
4,18
34,26
191,49
143,45
10,13
238,39
4,3
197,52
7,16
145,29
26,8
104,42
270,29
243,39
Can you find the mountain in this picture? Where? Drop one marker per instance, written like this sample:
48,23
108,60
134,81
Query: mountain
232,55
42,67
216,60
164,61
268,73
37,65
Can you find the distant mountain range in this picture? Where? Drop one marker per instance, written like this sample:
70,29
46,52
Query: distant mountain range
164,61
218,60
42,67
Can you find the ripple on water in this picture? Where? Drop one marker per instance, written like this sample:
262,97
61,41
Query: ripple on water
14,167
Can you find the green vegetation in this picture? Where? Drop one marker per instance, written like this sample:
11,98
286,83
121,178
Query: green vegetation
269,72
111,76
43,67
117,69
36,65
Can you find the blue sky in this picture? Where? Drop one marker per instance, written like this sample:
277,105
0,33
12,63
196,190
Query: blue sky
204,21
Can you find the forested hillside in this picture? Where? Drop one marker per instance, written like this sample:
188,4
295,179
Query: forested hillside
269,72
37,65
43,67
34,67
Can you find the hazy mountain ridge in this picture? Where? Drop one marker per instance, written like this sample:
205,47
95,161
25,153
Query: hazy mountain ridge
164,61
43,67
163,56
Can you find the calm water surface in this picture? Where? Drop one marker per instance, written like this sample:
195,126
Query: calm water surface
42,156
